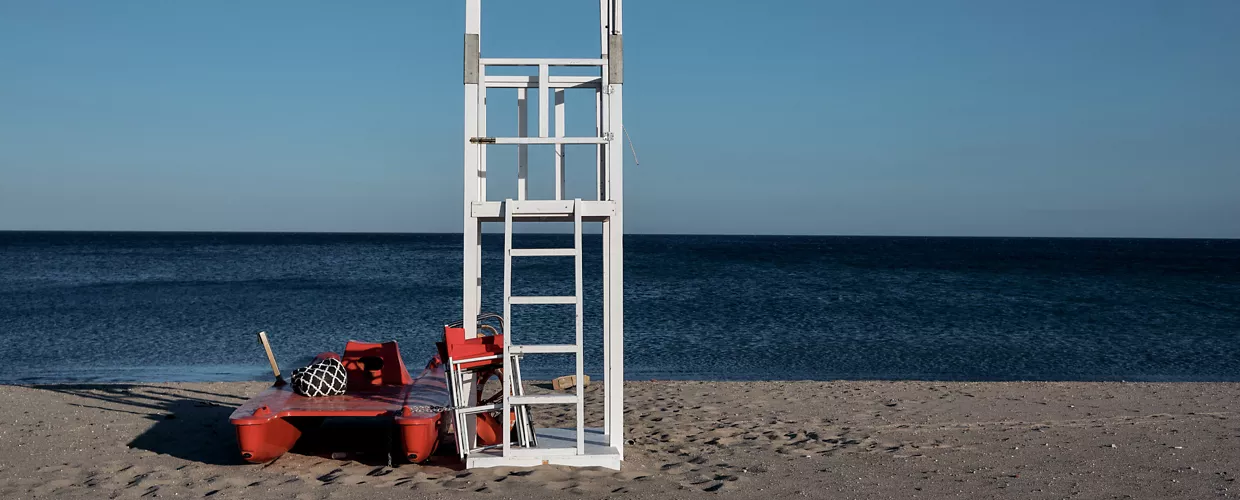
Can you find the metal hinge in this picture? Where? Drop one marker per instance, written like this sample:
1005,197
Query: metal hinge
482,140
609,136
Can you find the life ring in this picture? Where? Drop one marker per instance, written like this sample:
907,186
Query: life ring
488,424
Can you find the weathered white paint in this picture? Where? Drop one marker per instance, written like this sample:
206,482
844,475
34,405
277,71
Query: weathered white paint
579,446
523,151
559,148
473,193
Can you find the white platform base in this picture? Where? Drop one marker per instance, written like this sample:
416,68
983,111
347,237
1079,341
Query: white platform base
598,453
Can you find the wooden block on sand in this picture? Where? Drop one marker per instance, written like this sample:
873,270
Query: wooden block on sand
567,381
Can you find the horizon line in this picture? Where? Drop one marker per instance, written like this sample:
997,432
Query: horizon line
771,235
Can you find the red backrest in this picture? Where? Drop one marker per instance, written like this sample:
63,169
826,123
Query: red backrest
458,347
393,371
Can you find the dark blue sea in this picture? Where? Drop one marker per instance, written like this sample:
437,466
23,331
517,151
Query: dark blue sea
186,306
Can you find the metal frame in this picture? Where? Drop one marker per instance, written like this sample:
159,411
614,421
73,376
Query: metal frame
589,447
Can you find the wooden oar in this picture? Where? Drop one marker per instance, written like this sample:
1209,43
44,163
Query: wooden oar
262,337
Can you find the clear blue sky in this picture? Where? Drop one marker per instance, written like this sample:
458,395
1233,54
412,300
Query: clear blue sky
982,117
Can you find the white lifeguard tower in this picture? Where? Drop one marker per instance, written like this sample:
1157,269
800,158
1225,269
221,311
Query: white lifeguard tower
578,446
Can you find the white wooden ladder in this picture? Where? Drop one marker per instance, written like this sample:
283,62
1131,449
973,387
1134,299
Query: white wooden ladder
514,396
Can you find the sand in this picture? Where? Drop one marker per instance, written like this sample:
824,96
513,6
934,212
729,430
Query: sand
868,440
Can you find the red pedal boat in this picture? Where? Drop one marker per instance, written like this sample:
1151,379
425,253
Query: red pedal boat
269,424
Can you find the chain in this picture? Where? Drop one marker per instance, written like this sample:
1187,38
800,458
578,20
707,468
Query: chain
389,433
433,409
436,409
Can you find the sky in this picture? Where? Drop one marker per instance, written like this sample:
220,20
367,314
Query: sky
1097,118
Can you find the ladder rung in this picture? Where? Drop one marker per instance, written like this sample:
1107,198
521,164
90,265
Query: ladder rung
544,252
543,349
542,299
543,399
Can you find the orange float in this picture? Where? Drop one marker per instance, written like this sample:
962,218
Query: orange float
378,385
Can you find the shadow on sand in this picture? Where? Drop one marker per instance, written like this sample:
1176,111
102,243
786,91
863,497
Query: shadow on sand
188,424
193,425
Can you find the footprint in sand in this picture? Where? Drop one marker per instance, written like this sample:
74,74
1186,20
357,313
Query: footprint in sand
675,468
331,477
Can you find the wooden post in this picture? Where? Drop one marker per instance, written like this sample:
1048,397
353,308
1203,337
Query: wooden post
271,357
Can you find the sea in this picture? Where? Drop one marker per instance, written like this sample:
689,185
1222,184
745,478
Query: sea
149,307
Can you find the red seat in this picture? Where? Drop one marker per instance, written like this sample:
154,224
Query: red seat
458,347
358,355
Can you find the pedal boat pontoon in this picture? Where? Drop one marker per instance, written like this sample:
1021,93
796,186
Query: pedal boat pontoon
269,424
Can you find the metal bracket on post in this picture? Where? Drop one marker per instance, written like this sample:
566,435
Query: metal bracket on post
615,58
473,56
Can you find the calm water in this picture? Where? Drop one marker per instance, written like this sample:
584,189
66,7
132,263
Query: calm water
151,306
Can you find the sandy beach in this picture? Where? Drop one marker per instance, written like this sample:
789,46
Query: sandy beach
687,440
